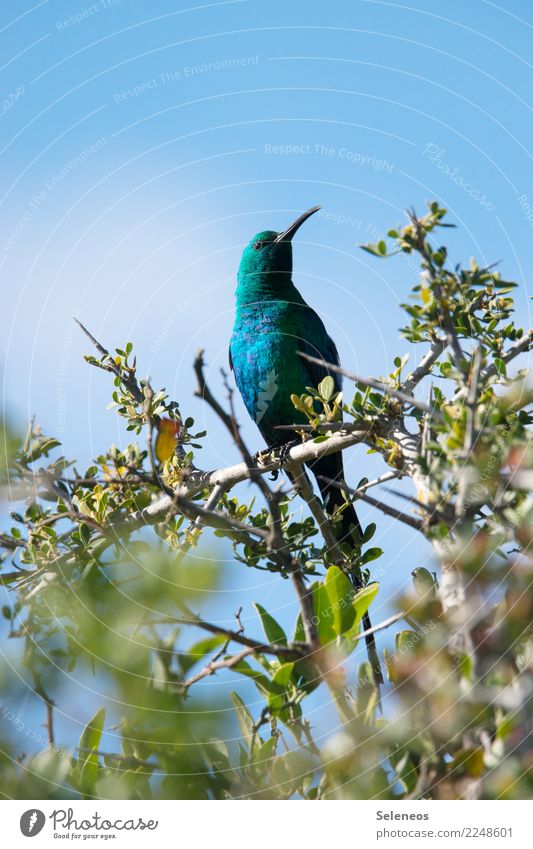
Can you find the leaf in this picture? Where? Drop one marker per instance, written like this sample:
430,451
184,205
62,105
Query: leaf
87,761
340,593
323,614
404,640
198,650
244,718
364,598
369,532
273,631
261,681
500,367
165,444
299,630
371,554
279,685
326,388
375,249
266,751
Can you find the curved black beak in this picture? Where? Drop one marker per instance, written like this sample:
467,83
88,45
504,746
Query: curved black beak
287,234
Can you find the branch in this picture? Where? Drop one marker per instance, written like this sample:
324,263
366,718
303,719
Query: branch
210,505
385,508
228,477
471,402
277,546
446,320
215,665
305,490
291,652
129,381
203,391
426,364
386,476
381,625
521,347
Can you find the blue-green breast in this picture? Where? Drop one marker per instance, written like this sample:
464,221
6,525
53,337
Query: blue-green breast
266,339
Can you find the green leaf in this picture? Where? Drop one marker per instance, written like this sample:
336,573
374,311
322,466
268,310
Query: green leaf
273,631
198,650
279,687
500,367
371,554
244,718
369,532
87,761
261,681
299,630
364,598
404,640
266,751
341,594
326,388
375,249
323,613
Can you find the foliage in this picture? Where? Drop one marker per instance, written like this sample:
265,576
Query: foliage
102,589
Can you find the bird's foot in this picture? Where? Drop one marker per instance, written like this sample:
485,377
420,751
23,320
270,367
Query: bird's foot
262,457
284,453
285,450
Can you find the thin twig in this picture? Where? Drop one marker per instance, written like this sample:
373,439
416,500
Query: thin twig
375,384
277,545
197,524
303,486
445,318
214,665
520,347
129,380
293,651
385,508
386,476
203,391
426,364
471,403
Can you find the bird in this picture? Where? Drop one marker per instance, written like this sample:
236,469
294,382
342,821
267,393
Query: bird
273,326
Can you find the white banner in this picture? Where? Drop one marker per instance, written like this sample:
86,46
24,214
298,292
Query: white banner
262,825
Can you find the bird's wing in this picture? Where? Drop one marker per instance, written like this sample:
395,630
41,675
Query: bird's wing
319,344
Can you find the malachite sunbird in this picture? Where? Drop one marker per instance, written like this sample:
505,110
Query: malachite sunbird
273,324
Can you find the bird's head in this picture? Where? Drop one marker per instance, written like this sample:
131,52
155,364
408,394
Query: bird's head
270,253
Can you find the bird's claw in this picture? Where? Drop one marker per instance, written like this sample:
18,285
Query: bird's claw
262,457
285,450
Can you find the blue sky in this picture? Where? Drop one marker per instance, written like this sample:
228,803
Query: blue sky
141,150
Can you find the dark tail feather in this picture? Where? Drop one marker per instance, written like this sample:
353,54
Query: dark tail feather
331,468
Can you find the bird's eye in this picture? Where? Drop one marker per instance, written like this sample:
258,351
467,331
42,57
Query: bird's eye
258,246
